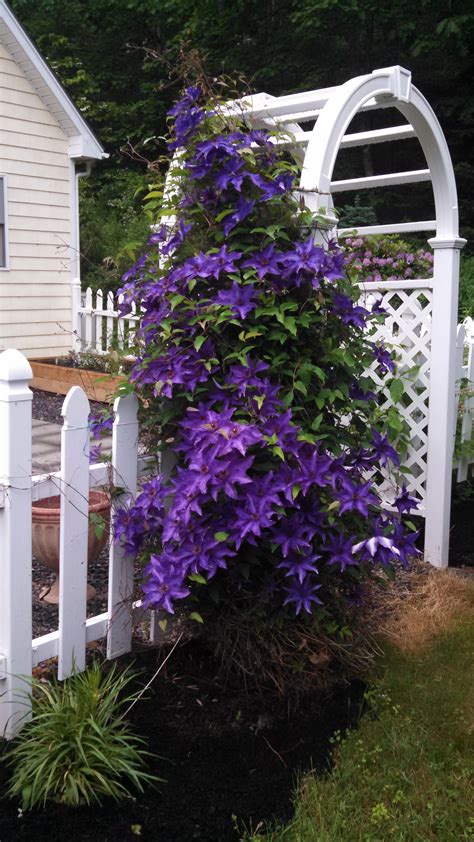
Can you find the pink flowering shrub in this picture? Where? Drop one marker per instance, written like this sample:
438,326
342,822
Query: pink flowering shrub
251,354
385,259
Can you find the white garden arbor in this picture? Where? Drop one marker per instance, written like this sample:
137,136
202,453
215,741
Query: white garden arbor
422,313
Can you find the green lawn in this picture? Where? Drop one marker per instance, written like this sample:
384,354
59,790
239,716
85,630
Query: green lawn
407,772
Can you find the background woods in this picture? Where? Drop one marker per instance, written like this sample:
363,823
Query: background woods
118,60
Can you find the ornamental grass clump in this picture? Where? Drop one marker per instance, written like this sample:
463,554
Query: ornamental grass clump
251,354
77,748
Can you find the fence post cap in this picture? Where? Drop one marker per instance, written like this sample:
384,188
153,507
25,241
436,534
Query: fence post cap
76,405
14,366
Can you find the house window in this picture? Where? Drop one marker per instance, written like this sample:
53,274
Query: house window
3,223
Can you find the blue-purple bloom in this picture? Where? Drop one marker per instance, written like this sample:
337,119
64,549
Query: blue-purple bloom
240,299
349,313
302,594
383,450
243,209
405,502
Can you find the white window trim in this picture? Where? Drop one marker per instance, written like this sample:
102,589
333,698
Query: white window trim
5,268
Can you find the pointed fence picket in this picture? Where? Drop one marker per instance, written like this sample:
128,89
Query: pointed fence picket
74,497
19,653
98,325
465,397
121,573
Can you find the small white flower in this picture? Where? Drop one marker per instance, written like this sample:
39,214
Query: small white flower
371,545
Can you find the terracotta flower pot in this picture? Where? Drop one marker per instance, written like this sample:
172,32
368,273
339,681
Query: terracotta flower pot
46,517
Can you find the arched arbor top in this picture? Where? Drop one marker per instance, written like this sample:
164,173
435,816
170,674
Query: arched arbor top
333,109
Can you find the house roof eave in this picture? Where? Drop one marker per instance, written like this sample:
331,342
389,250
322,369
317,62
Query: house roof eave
47,86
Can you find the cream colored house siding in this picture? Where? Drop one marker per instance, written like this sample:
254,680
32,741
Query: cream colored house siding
35,291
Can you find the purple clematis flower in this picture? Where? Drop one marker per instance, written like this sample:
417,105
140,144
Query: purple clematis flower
405,542
264,262
245,376
302,594
305,260
214,264
283,431
340,551
164,584
240,299
293,534
356,498
358,393
101,423
202,552
313,470
404,502
232,174
383,357
251,517
271,187
95,454
232,474
242,211
382,450
177,238
350,314
370,547
299,565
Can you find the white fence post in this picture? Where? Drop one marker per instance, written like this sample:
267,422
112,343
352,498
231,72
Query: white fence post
468,410
99,305
110,320
74,492
88,317
15,540
76,314
121,566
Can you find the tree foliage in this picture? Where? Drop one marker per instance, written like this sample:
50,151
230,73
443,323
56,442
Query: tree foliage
121,61
97,49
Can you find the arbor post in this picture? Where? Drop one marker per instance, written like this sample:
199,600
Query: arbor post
442,398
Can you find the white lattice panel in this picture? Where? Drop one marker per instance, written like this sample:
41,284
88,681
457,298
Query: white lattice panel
407,331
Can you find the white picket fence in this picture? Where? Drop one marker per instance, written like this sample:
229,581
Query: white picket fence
19,652
98,326
408,304
465,393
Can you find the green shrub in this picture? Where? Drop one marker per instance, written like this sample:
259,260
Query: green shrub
466,287
113,226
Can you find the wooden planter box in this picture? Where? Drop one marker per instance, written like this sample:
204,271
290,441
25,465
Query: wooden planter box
59,379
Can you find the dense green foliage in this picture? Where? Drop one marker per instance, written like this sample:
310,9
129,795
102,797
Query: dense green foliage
120,61
466,287
113,226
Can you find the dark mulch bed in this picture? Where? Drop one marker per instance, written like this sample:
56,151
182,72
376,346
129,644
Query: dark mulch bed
47,407
45,616
230,759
